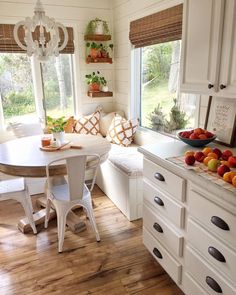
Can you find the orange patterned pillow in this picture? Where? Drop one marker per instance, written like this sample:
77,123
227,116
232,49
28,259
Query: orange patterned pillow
121,131
69,127
88,124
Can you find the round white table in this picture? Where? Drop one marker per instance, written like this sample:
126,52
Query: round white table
23,156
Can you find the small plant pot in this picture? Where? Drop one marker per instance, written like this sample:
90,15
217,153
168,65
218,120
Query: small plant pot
105,88
99,28
95,87
93,52
59,136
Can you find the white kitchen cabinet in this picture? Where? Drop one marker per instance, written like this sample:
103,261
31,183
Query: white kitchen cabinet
209,48
189,223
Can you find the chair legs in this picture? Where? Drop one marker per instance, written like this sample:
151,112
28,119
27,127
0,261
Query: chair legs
47,214
89,209
61,226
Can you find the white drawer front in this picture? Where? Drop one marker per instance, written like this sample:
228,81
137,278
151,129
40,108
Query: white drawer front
165,179
210,214
191,286
201,271
161,230
215,251
171,266
160,202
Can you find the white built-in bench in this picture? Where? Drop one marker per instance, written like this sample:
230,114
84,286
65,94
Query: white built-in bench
120,178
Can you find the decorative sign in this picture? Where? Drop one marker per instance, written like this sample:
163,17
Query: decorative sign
221,119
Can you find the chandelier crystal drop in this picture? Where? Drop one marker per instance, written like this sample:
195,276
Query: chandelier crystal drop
41,48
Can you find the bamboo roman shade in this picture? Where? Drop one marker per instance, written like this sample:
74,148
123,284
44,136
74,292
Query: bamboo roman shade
8,43
160,27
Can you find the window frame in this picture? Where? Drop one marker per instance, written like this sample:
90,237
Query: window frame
136,93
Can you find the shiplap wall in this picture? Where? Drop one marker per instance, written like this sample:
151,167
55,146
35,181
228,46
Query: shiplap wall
125,11
76,13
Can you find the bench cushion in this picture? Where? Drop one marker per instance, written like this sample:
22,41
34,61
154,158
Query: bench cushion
127,159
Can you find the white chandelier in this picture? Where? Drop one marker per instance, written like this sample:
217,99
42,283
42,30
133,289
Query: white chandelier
41,48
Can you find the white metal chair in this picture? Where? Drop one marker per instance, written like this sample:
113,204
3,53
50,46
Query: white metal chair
72,192
17,189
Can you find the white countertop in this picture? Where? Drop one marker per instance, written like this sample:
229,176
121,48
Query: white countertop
158,153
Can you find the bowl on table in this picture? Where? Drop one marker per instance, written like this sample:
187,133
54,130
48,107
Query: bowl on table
196,142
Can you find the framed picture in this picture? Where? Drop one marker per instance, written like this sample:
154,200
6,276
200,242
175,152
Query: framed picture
221,119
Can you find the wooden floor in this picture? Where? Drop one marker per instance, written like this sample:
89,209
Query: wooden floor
119,264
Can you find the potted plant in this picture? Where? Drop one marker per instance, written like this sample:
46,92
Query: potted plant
94,50
97,26
104,49
94,81
103,82
56,126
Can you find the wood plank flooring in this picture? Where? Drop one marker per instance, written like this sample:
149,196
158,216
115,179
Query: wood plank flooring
119,264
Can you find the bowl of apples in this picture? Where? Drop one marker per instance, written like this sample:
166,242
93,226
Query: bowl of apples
196,137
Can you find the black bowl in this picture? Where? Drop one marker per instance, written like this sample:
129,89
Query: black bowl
196,142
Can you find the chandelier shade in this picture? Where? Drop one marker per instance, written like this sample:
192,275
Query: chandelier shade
43,36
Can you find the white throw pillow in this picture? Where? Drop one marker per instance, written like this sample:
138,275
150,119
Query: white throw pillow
88,124
106,119
121,131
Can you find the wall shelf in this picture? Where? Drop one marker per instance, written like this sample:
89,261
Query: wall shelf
100,94
89,59
97,37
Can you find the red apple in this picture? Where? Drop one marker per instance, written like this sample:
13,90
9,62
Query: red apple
190,160
193,136
226,154
217,151
202,136
199,156
209,134
185,134
232,161
198,131
222,169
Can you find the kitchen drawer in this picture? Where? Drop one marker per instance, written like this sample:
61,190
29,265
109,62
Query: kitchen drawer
215,251
173,267
217,219
165,179
160,202
191,287
163,231
202,272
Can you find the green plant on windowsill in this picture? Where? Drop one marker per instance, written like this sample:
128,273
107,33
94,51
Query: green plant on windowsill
97,26
56,124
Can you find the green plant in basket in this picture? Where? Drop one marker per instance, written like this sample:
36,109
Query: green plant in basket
56,124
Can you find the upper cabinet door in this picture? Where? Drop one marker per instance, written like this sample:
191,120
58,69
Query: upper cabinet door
201,46
227,80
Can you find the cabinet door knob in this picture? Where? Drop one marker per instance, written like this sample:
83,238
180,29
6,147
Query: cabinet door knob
217,221
157,253
216,254
213,284
158,227
210,85
158,201
159,176
222,86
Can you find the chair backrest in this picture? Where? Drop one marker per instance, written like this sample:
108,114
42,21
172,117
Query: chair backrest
76,167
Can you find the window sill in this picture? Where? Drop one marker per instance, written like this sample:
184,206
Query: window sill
147,136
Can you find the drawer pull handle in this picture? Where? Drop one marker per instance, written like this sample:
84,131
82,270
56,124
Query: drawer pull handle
213,285
222,86
217,221
157,253
158,201
216,254
159,176
158,227
210,85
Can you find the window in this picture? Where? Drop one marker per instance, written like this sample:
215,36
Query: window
30,90
157,42
162,107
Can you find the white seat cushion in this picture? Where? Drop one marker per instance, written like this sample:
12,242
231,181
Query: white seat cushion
127,159
12,185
